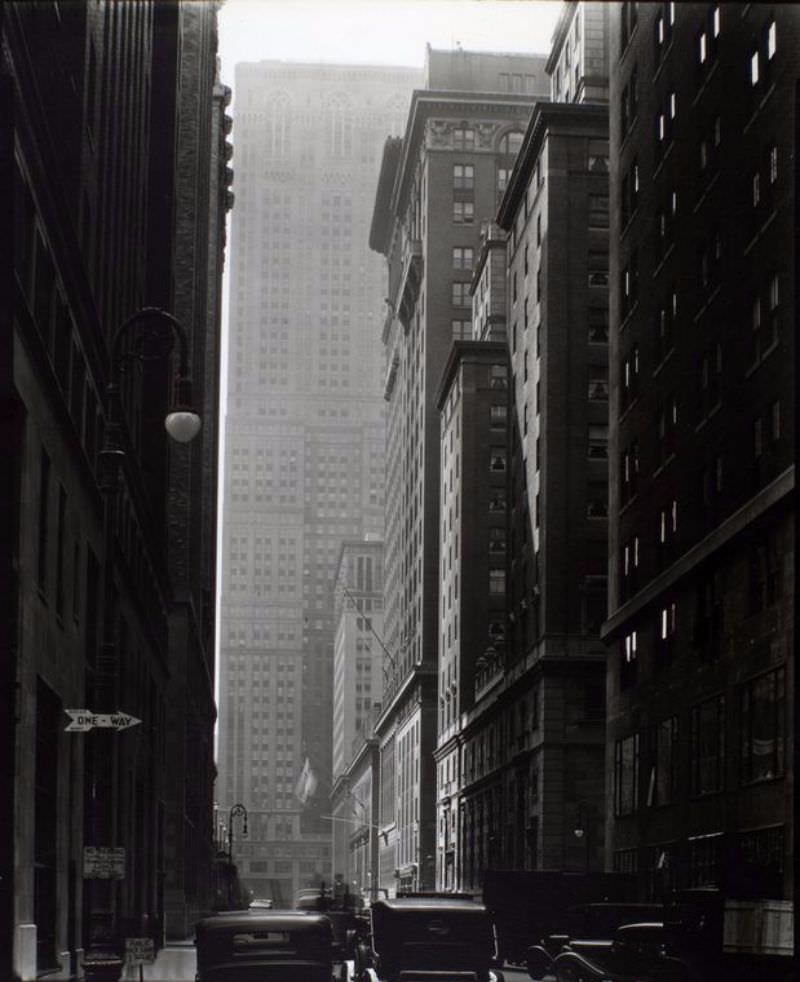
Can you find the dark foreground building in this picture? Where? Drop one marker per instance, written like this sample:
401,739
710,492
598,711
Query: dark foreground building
702,453
113,192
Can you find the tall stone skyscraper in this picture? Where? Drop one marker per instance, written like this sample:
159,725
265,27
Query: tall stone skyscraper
304,439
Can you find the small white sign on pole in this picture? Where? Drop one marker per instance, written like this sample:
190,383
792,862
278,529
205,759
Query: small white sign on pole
139,951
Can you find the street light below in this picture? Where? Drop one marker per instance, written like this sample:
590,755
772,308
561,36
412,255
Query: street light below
103,960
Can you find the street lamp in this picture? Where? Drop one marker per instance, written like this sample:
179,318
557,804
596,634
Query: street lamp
237,811
102,961
581,831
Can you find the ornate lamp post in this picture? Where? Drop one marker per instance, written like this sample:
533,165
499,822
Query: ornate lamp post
103,961
237,811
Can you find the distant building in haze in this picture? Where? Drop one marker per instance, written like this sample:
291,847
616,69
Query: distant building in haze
304,437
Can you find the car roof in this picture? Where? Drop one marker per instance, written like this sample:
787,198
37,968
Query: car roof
429,903
261,920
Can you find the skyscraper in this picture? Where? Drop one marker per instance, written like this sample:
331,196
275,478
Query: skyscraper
304,436
702,501
436,187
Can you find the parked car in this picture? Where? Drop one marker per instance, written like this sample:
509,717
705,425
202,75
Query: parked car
418,937
252,946
646,952
529,905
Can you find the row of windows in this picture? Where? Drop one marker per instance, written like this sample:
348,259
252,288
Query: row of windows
707,622
760,726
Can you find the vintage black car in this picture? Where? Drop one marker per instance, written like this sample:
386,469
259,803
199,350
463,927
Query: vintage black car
647,952
265,946
423,937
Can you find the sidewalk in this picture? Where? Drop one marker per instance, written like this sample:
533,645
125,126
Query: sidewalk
176,962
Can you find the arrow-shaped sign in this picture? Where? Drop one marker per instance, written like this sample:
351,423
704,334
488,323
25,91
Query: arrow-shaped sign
82,720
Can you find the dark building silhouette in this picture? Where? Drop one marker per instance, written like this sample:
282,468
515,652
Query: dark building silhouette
114,189
702,450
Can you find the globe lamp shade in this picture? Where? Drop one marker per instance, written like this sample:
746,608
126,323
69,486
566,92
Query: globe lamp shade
183,425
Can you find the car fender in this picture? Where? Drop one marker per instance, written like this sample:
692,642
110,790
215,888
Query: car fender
570,966
538,962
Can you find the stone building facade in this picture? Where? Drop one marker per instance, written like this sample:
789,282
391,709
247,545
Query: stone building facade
100,199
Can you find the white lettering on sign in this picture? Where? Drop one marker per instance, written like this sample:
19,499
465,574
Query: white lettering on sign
139,951
82,720
104,862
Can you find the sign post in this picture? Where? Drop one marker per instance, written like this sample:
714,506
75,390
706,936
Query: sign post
139,951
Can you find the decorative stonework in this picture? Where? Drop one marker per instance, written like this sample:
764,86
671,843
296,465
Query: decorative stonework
439,133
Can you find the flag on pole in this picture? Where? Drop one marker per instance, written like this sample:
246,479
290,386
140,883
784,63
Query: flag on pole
306,783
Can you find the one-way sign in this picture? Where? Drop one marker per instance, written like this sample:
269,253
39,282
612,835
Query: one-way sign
82,720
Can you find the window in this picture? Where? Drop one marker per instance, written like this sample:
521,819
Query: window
666,428
498,377
497,581
460,294
463,212
626,775
667,531
630,567
463,257
597,441
704,859
498,459
664,328
461,330
772,158
629,663
510,143
663,781
665,633
761,859
463,138
630,192
629,285
629,103
772,40
598,214
707,746
597,500
503,174
630,378
463,177
754,71
598,383
629,473
597,325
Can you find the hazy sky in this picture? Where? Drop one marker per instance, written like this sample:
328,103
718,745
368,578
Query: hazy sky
384,32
